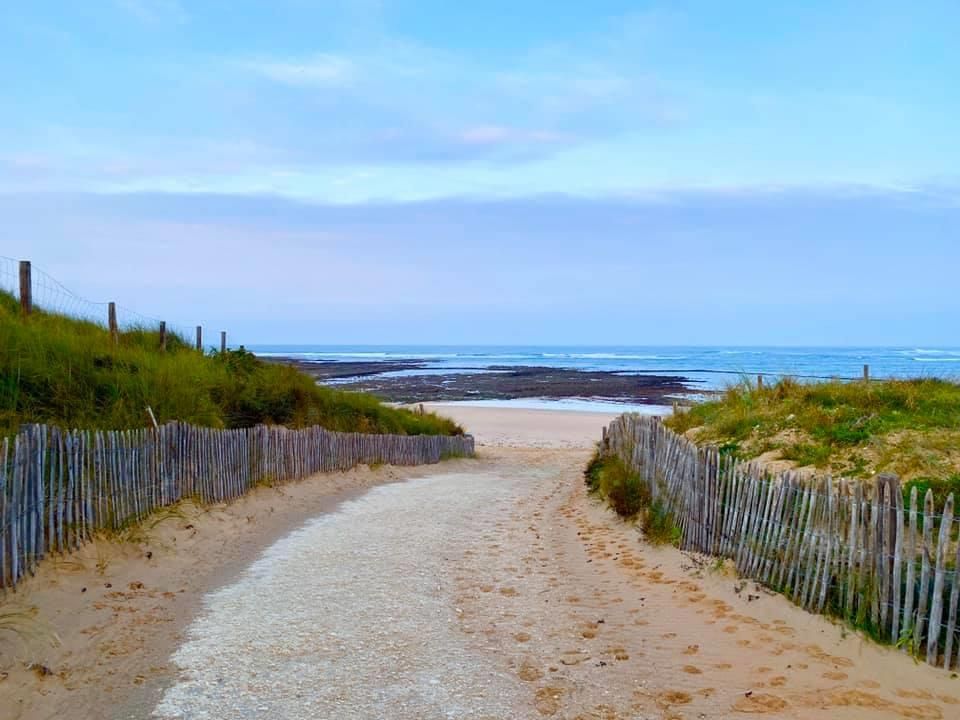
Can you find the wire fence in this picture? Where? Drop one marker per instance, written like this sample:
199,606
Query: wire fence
50,295
860,551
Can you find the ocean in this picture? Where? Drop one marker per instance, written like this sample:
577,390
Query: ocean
708,368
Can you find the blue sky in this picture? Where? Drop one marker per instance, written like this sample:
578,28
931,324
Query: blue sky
426,171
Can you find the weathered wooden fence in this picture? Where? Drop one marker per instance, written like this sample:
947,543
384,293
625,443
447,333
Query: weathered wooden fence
59,487
841,547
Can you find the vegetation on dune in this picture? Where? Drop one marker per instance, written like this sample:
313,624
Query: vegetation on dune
610,477
58,370
910,427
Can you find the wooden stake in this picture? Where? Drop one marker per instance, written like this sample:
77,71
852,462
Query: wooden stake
199,338
223,341
112,322
163,335
26,288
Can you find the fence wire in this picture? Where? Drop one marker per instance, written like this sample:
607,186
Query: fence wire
52,296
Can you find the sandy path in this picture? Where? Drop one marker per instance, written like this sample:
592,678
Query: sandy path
503,591
492,588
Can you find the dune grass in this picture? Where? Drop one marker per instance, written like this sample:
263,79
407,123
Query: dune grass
911,427
54,369
610,478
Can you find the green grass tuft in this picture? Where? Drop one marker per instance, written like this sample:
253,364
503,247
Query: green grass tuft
858,428
67,372
611,478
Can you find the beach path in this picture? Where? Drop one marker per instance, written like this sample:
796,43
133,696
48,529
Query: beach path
497,588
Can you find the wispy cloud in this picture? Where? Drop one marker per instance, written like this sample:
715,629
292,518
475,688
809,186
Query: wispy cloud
517,270
316,70
155,11
498,135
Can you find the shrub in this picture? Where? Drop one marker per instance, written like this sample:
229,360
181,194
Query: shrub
629,495
611,478
591,475
659,525
942,487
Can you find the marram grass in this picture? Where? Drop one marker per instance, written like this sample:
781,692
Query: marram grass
57,370
855,429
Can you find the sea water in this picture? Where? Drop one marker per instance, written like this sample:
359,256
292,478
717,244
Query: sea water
707,368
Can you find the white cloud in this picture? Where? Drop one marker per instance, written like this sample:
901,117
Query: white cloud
316,70
500,135
155,11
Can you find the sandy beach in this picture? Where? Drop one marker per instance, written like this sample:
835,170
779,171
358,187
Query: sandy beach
485,588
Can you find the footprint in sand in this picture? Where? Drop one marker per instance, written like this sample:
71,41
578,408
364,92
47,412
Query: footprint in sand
692,670
759,703
547,700
917,694
831,675
861,699
692,650
529,673
817,653
522,637
508,591
673,697
573,657
600,712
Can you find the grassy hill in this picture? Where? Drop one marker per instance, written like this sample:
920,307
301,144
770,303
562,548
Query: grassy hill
910,427
58,370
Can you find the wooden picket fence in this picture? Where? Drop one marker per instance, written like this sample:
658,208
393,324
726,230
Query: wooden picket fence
59,487
842,547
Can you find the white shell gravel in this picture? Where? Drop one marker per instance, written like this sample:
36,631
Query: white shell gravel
350,617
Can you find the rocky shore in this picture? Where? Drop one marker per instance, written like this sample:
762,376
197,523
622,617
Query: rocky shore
493,383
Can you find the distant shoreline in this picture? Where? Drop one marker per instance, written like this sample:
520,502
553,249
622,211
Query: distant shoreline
414,381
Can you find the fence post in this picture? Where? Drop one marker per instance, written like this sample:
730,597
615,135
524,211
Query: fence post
759,382
112,321
163,335
26,288
199,338
223,341
866,373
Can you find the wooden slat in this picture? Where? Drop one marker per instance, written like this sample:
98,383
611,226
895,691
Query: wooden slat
936,607
926,549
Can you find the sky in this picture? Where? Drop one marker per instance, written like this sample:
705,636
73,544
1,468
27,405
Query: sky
421,171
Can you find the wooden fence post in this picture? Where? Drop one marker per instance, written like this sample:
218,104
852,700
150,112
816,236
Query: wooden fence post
26,288
866,373
759,382
223,341
199,338
163,335
112,321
